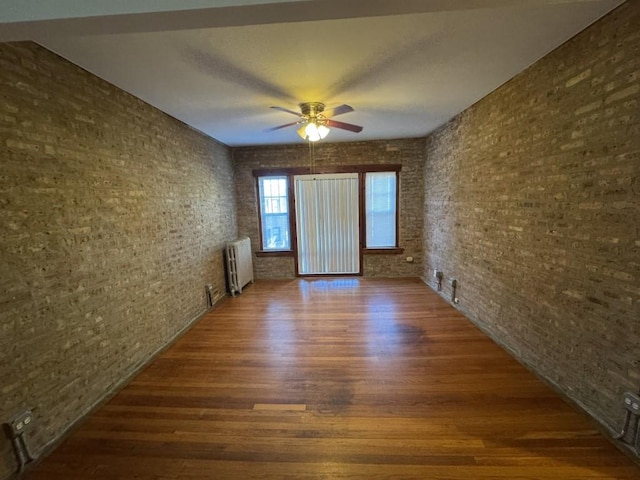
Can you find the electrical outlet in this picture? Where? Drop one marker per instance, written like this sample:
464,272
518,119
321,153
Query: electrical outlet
632,402
19,424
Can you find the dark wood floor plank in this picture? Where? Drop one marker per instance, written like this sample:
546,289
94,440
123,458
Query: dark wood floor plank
385,381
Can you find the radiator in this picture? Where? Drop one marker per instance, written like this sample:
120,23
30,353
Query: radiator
239,264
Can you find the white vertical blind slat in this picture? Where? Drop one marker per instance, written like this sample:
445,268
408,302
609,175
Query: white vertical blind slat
327,223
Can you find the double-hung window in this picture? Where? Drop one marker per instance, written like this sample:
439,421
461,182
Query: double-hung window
274,213
381,209
377,216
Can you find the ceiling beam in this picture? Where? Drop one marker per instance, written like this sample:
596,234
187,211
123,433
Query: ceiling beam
34,19
34,10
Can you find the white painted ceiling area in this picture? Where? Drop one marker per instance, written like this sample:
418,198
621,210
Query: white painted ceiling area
405,66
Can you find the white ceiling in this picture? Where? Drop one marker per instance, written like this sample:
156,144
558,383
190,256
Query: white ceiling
405,66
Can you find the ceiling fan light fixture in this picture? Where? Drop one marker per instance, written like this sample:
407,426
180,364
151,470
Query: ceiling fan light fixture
323,131
312,132
315,123
315,132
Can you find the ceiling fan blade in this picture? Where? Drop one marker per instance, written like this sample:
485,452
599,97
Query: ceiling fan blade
281,126
282,109
344,126
332,112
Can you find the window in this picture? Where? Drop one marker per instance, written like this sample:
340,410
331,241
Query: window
274,213
380,207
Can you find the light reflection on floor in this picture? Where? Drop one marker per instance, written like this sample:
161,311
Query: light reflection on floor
384,334
335,285
282,331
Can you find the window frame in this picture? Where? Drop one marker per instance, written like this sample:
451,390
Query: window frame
269,251
361,170
363,221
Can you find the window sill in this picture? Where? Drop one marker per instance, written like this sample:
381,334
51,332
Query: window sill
365,251
383,251
274,253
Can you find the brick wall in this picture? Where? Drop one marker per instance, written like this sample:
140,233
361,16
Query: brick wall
112,220
533,204
407,152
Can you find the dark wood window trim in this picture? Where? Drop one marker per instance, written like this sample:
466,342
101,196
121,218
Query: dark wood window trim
279,172
383,251
290,172
274,253
363,210
259,205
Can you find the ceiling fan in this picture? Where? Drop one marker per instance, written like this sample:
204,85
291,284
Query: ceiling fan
316,121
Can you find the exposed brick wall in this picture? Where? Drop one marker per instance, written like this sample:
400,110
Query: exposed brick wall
533,203
112,220
408,152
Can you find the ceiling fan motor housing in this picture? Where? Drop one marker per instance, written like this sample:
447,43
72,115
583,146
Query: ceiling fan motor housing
312,109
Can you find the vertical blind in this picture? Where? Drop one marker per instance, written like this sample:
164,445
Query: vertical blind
327,224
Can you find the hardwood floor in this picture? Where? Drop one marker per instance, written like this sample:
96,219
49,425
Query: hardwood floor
336,379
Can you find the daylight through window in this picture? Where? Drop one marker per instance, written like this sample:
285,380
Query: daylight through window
274,213
380,196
